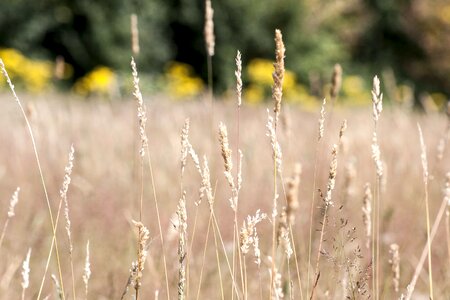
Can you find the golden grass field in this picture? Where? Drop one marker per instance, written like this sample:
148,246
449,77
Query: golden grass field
104,195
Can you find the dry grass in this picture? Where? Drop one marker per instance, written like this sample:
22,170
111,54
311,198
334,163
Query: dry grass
105,189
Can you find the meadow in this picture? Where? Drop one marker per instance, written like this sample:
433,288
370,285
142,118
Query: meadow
342,202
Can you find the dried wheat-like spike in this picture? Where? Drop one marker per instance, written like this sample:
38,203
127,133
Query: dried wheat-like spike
276,149
182,243
377,99
226,155
142,113
394,261
367,213
225,147
26,273
331,176
134,35
292,193
209,28
278,74
144,235
206,182
322,119
13,202
63,194
336,81
238,74
184,145
87,270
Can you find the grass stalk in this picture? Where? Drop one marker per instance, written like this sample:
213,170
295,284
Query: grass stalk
427,209
41,175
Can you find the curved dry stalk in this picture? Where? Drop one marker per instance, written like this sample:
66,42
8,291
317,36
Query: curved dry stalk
54,242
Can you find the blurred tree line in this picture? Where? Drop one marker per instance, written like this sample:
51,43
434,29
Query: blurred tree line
407,38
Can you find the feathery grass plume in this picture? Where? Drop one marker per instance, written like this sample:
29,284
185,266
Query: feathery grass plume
292,193
276,149
249,236
424,160
336,82
87,270
182,244
143,237
278,74
63,194
142,113
184,145
12,204
134,35
328,202
322,118
283,238
394,261
209,28
331,176
26,273
238,74
367,213
59,291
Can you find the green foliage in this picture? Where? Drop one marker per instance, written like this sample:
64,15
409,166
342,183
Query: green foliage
366,37
86,33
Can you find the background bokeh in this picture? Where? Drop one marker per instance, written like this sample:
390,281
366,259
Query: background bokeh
403,41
